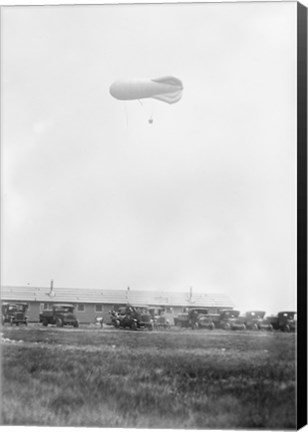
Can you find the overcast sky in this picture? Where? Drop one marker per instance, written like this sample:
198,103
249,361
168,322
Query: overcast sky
205,197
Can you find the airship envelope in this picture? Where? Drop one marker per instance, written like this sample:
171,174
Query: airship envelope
166,89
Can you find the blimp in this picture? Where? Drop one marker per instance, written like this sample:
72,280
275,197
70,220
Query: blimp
167,89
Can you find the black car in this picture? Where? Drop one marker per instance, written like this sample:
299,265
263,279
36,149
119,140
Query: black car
133,317
14,313
200,318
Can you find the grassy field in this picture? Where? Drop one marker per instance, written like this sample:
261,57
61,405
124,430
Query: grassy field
162,379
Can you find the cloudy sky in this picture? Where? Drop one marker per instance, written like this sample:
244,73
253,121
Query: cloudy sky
205,197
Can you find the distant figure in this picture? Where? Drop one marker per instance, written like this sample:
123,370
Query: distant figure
100,321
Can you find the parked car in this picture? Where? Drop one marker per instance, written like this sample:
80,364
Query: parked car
133,317
182,320
200,318
255,320
285,321
14,313
230,320
60,315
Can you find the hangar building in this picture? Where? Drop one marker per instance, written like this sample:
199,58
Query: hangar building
92,303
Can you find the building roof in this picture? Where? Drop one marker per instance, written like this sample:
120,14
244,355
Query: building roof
108,296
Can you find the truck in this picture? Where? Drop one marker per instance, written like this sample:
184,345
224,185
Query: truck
14,313
200,318
231,320
255,320
133,317
182,320
284,321
60,315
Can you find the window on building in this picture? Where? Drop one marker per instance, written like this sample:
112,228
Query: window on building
80,307
45,306
99,308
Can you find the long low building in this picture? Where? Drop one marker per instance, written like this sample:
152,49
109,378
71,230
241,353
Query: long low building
91,303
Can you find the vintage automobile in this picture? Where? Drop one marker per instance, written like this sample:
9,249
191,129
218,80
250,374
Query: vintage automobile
133,317
182,320
61,314
14,313
230,320
285,321
255,320
200,318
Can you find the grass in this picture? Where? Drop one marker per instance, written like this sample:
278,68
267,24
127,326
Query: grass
167,379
